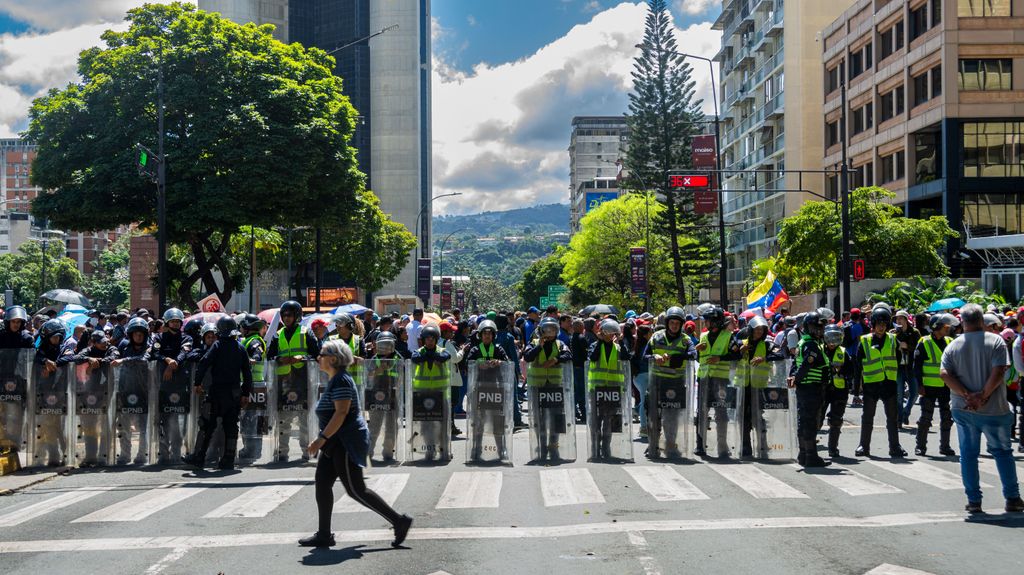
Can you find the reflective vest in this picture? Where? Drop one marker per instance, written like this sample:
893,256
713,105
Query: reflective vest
537,375
660,345
932,362
837,360
813,375
605,371
355,370
392,366
757,375
721,347
879,365
294,347
257,368
430,374
486,353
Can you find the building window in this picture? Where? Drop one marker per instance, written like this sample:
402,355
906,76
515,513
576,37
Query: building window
832,133
892,103
936,75
936,12
982,8
834,78
921,89
861,176
863,118
993,149
894,167
918,22
900,100
977,74
928,157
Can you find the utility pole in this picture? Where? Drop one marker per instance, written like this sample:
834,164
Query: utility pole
844,190
161,194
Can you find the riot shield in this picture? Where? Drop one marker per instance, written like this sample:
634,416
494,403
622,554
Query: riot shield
15,425
205,423
254,425
381,388
773,410
669,409
718,408
291,406
132,417
609,419
489,411
94,386
552,420
171,389
428,413
51,415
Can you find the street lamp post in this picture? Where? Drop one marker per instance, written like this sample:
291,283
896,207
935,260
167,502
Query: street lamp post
419,236
440,264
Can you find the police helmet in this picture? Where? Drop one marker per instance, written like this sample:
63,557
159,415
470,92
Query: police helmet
293,307
826,313
756,322
715,316
137,324
882,305
344,319
251,322
173,314
487,325
53,327
675,312
192,327
227,327
610,327
548,326
812,319
940,319
16,312
431,331
704,308
881,315
98,335
385,342
207,328
833,335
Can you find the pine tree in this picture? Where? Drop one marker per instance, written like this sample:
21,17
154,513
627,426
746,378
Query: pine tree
663,118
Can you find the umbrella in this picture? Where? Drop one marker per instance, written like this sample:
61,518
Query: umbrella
599,309
67,296
750,313
206,316
73,320
947,303
353,309
267,315
431,317
74,308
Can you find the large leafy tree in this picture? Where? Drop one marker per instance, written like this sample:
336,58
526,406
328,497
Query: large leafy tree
487,294
256,133
23,272
108,286
538,276
891,245
663,118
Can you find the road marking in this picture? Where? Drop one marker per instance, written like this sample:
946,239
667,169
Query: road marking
260,500
144,504
471,489
29,512
987,465
456,533
664,483
887,569
166,561
568,487
638,540
388,485
756,482
850,482
923,472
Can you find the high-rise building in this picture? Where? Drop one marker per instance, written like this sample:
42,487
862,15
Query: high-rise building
596,144
765,128
257,11
935,113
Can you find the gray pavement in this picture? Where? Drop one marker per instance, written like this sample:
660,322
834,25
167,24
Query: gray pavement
645,517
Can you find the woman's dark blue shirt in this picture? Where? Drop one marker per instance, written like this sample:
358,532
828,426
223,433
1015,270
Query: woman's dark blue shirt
354,435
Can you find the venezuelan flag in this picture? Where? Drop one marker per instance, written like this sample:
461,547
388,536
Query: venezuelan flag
768,294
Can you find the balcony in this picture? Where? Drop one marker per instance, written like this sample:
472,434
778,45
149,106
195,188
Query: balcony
774,24
775,107
768,66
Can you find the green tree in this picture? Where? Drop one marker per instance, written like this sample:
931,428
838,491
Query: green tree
23,272
536,279
663,118
891,245
919,293
256,133
109,285
490,294
597,261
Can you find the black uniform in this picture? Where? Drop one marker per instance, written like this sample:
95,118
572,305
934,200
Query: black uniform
14,386
666,392
175,387
132,400
230,379
51,403
811,372
93,388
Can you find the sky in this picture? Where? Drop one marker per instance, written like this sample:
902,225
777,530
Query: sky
508,77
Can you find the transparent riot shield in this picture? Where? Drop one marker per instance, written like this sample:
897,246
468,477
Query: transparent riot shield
609,419
718,405
254,426
552,420
669,408
773,409
291,406
171,390
51,415
489,411
428,413
317,384
382,391
94,389
207,429
132,421
15,425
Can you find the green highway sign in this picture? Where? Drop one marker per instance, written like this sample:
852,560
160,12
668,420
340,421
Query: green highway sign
557,290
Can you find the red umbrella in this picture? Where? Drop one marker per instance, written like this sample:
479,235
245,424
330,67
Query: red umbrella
206,317
756,312
267,315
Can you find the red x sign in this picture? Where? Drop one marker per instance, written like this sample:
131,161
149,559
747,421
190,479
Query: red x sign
688,181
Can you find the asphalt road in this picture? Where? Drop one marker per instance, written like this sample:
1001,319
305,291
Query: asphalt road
870,516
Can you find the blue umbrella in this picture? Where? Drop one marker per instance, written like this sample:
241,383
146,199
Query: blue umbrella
351,309
73,320
947,303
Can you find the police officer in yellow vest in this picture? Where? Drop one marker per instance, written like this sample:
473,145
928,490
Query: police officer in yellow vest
344,323
812,372
488,356
382,394
713,376
879,365
927,364
431,377
755,370
605,356
291,348
253,423
837,395
669,350
545,358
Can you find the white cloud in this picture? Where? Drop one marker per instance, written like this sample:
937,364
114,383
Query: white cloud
501,132
695,7
592,6
60,14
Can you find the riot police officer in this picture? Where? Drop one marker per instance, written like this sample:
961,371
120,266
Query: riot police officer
879,373
669,350
133,391
713,372
488,357
93,393
290,348
836,394
755,371
253,421
606,418
14,340
382,385
927,364
544,375
169,350
432,374
230,386
811,372
51,393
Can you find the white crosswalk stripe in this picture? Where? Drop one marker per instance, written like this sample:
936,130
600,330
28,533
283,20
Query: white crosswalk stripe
260,500
36,510
664,483
756,482
144,504
923,472
388,485
850,482
987,465
568,487
471,489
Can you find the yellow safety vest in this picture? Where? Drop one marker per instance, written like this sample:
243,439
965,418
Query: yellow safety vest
605,371
755,375
837,360
431,375
355,370
257,368
879,365
537,375
719,349
294,347
660,345
932,362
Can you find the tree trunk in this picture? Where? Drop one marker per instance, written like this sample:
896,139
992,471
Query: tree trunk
673,234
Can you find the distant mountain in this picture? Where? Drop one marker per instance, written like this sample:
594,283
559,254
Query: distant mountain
545,218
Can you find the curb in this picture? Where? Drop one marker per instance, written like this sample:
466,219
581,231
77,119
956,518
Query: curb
35,479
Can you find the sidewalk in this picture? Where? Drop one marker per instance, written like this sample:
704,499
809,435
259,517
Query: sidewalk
10,484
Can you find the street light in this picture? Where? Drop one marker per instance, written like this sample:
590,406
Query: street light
420,237
365,38
440,265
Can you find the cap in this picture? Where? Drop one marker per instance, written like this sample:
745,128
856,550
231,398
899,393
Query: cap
318,322
689,324
533,309
493,315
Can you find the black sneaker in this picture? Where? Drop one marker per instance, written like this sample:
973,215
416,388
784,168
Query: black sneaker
1015,505
862,451
973,507
947,451
897,453
401,530
318,540
921,451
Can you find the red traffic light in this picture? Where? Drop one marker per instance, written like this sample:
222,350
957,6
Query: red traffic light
689,181
858,270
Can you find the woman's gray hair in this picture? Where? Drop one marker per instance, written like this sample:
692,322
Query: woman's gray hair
339,349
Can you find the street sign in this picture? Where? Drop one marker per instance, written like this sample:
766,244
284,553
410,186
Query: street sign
858,270
638,269
689,181
424,279
557,290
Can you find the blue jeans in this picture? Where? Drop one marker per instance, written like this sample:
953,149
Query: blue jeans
970,426
906,376
641,382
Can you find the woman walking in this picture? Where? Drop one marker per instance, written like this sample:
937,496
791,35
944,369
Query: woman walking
343,443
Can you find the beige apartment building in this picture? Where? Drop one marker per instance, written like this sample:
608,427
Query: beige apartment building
935,113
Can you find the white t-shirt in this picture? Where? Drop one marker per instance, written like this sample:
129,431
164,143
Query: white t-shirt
413,329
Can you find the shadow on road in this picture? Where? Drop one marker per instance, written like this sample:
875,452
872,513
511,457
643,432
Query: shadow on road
322,556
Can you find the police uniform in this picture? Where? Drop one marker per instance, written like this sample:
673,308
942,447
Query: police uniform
14,386
293,381
132,400
487,379
836,395
92,392
381,402
714,378
51,391
173,404
878,373
811,374
754,378
253,422
662,411
550,421
604,372
431,373
927,364
230,380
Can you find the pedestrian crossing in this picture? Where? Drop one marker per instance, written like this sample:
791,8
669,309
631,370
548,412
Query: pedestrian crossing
555,488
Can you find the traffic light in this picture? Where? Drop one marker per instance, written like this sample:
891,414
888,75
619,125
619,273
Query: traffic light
147,162
858,270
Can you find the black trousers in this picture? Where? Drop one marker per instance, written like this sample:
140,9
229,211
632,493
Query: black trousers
333,464
886,392
809,399
834,403
934,396
226,408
